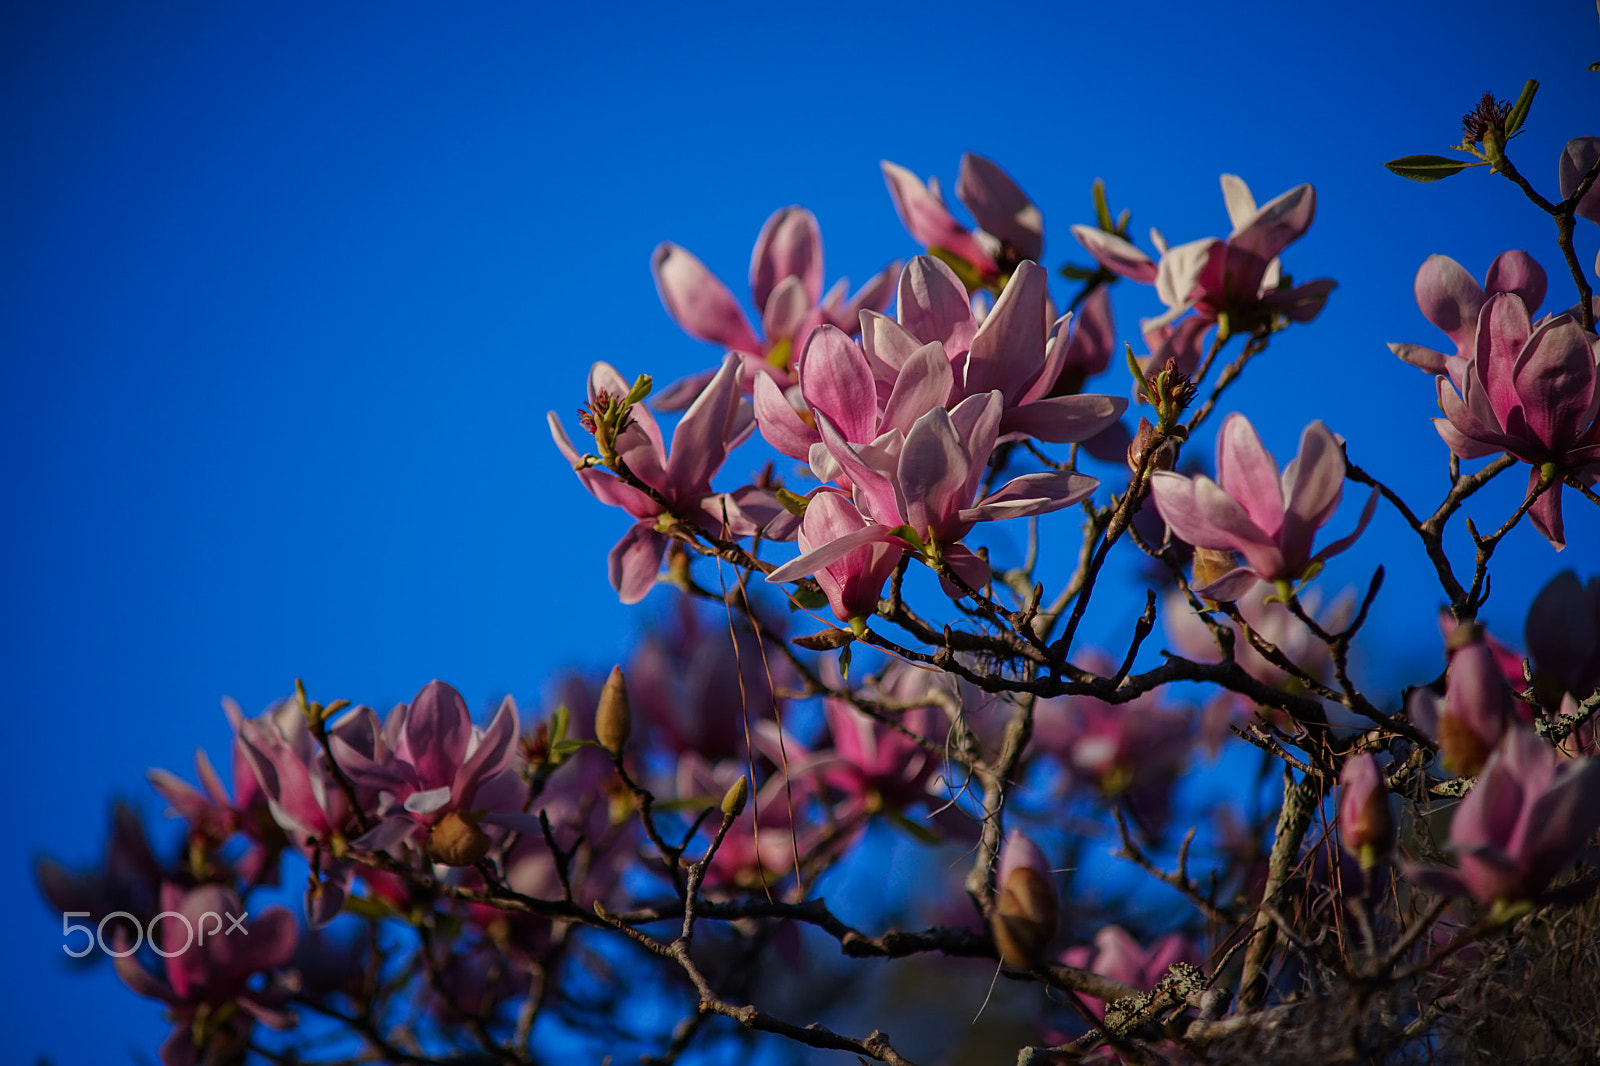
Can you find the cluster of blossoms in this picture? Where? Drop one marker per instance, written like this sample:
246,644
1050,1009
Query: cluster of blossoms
708,785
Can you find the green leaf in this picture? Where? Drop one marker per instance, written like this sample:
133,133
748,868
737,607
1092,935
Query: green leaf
844,661
1519,110
560,721
1594,66
562,748
809,599
1102,211
1426,167
1073,272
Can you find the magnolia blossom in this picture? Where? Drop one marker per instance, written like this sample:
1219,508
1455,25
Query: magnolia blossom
1014,350
1117,955
1452,300
1529,390
1563,634
1233,281
714,424
786,282
302,793
437,772
1526,818
207,967
1011,227
916,490
1268,518
1577,159
1476,711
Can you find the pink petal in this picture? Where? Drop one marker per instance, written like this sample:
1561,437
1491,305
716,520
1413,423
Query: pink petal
780,424
636,560
1007,352
1278,223
1516,271
929,221
790,245
1116,254
836,379
1249,474
1064,419
934,305
923,383
999,206
698,302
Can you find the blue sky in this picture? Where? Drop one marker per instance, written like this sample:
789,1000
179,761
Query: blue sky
287,291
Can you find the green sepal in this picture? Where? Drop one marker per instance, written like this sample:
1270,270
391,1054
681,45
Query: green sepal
844,661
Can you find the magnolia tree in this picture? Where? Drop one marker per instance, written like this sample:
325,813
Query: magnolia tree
867,763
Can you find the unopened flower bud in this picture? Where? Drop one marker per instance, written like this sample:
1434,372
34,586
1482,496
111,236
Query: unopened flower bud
733,800
1477,708
1162,458
1366,825
612,719
456,840
1026,914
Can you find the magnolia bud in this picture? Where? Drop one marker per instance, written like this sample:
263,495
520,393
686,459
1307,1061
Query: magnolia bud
733,799
1366,826
612,719
1026,914
1162,458
456,840
1477,707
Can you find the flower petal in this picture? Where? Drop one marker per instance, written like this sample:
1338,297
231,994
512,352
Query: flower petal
698,302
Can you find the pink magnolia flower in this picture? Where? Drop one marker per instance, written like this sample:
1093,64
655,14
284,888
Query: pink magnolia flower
1117,955
1129,751
714,424
1526,818
302,793
1577,158
128,880
1268,518
786,282
208,968
1237,281
873,765
1477,708
1452,300
1013,350
1011,227
916,490
696,688
439,773
214,816
1529,390
1563,634
853,581
837,381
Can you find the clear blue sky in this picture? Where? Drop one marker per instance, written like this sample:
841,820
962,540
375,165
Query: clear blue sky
286,291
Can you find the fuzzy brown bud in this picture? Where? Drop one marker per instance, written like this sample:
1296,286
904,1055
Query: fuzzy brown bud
1026,913
1162,457
612,719
456,840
